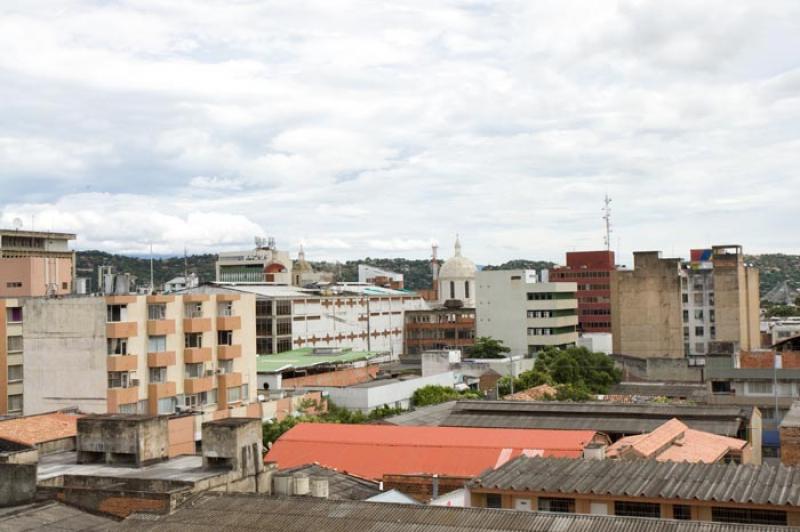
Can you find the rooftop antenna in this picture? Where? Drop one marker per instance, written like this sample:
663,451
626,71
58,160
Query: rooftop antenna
607,218
17,223
152,286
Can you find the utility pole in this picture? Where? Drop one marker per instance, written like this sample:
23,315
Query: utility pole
607,218
152,285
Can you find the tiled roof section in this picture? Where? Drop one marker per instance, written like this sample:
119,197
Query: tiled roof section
212,513
745,484
51,516
537,393
676,442
341,486
603,417
374,450
32,430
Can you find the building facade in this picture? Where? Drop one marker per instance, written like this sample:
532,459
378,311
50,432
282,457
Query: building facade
155,354
591,271
264,264
35,263
673,308
527,315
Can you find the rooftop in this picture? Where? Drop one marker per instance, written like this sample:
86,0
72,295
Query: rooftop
188,468
214,512
374,450
50,516
38,234
744,484
341,486
33,430
427,416
305,358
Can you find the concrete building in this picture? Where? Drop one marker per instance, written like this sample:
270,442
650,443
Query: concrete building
527,315
673,308
344,315
181,283
371,275
591,271
36,263
303,273
264,264
129,354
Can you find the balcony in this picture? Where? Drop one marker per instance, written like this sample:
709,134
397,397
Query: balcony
229,352
551,304
557,321
229,380
201,384
196,298
229,323
222,298
122,362
159,390
196,325
160,327
122,329
120,300
121,396
156,299
193,355
160,359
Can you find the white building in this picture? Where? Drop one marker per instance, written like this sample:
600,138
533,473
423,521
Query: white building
372,275
181,283
264,264
527,315
457,279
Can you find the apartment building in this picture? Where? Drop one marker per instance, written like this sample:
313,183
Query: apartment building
674,308
264,264
526,314
591,271
154,354
36,263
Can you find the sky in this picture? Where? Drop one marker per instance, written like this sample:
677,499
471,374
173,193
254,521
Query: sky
372,128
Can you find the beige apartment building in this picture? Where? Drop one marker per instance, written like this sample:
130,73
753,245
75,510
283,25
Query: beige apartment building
155,354
674,308
35,263
526,314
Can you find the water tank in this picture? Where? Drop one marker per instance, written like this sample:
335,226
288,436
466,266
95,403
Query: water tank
282,485
319,487
301,485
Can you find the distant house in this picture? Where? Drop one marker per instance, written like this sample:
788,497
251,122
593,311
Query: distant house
181,283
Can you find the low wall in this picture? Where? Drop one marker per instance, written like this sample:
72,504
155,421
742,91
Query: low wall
393,393
657,369
340,378
181,436
17,483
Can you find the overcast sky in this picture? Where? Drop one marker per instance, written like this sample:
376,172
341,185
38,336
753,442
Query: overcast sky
373,128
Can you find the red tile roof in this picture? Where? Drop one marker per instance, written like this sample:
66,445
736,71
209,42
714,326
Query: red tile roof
374,450
31,430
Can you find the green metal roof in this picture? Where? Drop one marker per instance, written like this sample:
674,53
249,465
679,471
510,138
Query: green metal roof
305,358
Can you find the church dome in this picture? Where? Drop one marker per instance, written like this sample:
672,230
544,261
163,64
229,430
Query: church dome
301,266
457,267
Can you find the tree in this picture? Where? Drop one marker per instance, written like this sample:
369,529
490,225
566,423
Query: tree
433,395
782,311
579,367
488,347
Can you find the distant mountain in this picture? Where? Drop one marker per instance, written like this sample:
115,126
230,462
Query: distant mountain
164,269
522,264
775,269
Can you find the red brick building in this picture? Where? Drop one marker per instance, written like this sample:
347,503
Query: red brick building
591,270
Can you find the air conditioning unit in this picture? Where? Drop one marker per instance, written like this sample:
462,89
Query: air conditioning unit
220,371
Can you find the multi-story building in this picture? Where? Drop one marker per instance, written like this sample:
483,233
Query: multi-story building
35,263
372,275
264,264
591,271
152,354
674,308
349,315
449,323
526,314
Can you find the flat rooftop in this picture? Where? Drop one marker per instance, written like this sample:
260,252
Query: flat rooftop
187,468
305,358
38,234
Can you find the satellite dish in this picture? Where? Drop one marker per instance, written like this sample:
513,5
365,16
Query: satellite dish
17,223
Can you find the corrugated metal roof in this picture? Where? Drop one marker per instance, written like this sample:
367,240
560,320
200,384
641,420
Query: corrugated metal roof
212,513
51,516
427,416
374,450
746,484
340,485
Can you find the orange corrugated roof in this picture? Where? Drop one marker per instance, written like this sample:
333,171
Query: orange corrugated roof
31,430
374,450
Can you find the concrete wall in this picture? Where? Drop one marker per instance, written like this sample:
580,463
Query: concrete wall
646,308
17,483
128,440
597,342
657,369
338,378
64,349
394,393
35,274
235,443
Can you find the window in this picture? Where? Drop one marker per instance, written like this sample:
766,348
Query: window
699,348
246,390
129,408
758,388
538,296
494,500
118,379
226,366
64,286
748,516
225,337
563,506
15,403
166,405
698,314
193,310
713,332
156,344
712,316
681,512
14,314
263,308
194,371
16,284
720,387
466,289
264,346
234,394
117,346
157,311
685,298
193,340
225,309
158,375
196,400
452,289
711,299
116,313
284,326
685,316
15,373
699,330
14,343
637,509
284,344
686,333
283,308
698,298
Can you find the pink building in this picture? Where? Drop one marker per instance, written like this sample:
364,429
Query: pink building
34,263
